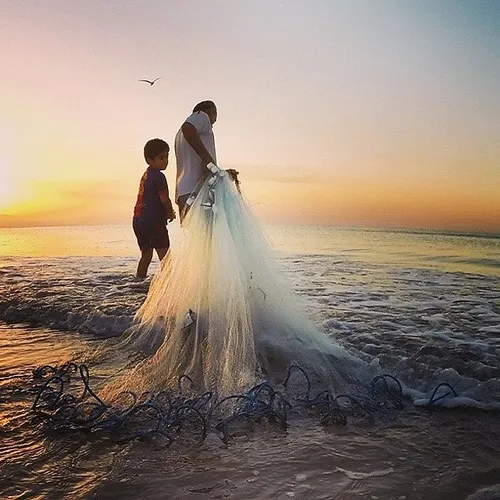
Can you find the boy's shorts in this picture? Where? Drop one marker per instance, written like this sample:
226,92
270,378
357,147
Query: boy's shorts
151,235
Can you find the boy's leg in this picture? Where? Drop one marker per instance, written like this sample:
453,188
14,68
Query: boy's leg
161,242
161,252
144,242
142,268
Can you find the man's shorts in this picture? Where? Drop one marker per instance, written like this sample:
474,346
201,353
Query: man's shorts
151,234
183,206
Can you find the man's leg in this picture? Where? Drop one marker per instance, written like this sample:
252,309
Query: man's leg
142,268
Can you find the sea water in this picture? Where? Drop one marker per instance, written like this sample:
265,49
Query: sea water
425,305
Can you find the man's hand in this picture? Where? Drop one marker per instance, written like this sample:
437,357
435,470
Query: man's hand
213,168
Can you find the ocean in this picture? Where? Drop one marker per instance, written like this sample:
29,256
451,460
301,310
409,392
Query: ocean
424,305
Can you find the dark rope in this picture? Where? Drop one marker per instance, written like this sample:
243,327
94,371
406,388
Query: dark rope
433,399
172,413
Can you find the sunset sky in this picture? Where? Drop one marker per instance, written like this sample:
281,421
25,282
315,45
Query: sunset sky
372,113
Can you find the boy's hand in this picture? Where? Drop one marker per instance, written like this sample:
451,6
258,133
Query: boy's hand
171,218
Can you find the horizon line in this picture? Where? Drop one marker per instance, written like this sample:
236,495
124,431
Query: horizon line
414,230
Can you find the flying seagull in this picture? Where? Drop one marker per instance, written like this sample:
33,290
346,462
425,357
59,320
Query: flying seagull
150,82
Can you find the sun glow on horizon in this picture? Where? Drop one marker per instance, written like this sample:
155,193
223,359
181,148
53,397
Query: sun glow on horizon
312,199
399,129
9,191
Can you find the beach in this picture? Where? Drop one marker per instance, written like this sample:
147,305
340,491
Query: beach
424,305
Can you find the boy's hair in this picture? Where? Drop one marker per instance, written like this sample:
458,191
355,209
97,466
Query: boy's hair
154,147
204,106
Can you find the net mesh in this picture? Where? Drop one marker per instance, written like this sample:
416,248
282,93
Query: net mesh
219,311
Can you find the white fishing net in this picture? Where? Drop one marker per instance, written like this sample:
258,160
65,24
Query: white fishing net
219,311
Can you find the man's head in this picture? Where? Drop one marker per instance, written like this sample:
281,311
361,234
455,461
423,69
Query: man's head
156,153
209,108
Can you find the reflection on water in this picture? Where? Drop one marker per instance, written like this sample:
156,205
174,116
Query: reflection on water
448,252
68,241
35,464
414,454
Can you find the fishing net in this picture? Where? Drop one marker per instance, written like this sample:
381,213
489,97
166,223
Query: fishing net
219,311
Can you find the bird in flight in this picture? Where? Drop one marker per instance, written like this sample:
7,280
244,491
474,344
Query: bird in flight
150,82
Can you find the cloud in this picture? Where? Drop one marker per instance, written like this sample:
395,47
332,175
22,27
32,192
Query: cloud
67,203
280,196
279,174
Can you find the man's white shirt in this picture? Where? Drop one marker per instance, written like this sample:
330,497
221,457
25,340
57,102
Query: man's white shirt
189,164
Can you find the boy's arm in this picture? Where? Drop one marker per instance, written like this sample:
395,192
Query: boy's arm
165,199
193,139
162,187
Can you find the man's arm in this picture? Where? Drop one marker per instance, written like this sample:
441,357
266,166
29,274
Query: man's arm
193,139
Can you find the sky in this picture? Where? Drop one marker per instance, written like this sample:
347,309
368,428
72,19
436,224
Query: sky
355,113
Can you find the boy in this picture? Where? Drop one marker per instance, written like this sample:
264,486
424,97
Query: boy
153,209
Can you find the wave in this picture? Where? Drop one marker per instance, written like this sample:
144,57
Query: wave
81,295
425,327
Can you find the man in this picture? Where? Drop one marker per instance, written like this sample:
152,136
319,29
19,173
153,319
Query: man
194,150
